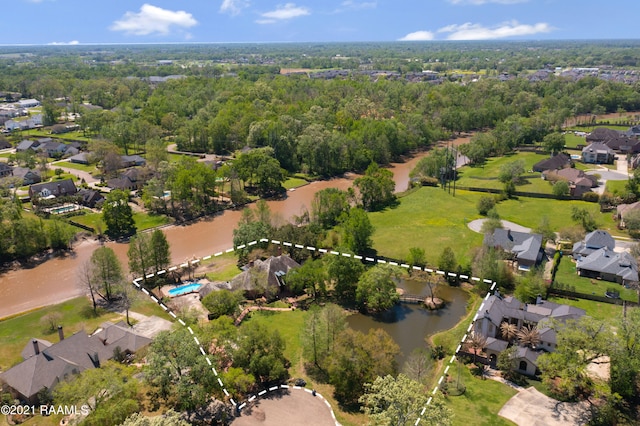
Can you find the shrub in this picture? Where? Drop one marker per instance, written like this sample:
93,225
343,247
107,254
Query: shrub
591,197
485,204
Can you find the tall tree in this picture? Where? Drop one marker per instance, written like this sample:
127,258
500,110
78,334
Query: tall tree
344,273
399,401
376,188
106,272
260,352
327,206
376,289
139,254
357,231
323,326
118,215
161,252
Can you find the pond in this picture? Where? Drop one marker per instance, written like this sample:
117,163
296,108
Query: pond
409,324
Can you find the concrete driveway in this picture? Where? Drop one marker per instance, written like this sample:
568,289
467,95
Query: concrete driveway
476,226
531,408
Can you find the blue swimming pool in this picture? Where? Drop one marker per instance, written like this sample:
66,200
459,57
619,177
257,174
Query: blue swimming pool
184,289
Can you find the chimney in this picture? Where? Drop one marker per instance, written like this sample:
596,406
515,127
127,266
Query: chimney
95,359
509,233
36,348
539,300
60,333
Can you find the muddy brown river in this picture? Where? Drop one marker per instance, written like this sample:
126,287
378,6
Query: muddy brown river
57,279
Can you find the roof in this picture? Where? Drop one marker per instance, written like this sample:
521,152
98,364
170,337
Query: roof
71,355
524,245
597,147
82,157
621,209
5,167
57,188
497,308
27,144
621,143
606,261
601,134
593,241
556,162
23,171
273,268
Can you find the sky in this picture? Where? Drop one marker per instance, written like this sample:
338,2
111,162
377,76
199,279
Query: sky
226,21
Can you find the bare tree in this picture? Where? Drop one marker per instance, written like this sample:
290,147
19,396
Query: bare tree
88,283
51,320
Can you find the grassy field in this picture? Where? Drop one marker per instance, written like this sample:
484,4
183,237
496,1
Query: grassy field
222,268
616,186
142,220
17,331
487,176
75,166
431,219
567,276
42,133
293,182
597,310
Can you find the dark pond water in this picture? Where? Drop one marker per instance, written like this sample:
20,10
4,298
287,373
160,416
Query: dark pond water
409,324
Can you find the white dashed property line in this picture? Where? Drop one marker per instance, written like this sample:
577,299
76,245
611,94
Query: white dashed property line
136,282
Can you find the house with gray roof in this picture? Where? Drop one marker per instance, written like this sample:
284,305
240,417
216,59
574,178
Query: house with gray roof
498,310
525,248
601,134
5,170
55,189
598,153
27,144
29,176
557,162
605,264
622,210
593,241
46,364
264,277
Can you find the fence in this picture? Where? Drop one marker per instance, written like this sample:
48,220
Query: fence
518,193
594,297
79,225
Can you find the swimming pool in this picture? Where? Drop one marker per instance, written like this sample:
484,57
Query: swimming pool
184,289
64,209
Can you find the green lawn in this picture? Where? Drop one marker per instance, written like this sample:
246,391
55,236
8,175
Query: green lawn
450,339
142,220
293,182
572,141
222,268
567,276
431,219
487,176
616,186
481,402
598,310
528,212
17,331
82,167
44,133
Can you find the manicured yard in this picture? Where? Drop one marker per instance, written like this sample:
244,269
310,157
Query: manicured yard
17,331
82,167
431,219
487,176
598,310
142,220
43,133
481,402
567,276
222,268
293,182
616,186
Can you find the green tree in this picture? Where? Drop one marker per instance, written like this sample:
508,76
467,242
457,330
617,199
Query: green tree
309,277
357,231
544,228
223,302
118,215
322,328
105,272
553,143
170,418
417,258
103,390
447,261
376,188
579,343
584,217
376,289
260,352
358,359
344,273
510,175
398,401
485,204
529,286
59,233
632,223
161,252
177,372
327,206
560,189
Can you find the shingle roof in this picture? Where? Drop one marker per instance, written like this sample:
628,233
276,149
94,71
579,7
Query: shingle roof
273,268
556,162
606,261
525,246
601,134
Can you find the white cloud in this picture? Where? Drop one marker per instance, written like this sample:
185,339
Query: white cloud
153,20
233,7
480,2
418,36
350,4
469,31
63,43
283,13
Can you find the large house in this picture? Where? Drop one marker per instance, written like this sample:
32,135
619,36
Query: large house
29,176
525,248
498,310
5,170
605,264
264,277
46,364
557,162
593,241
622,210
579,182
55,189
598,153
